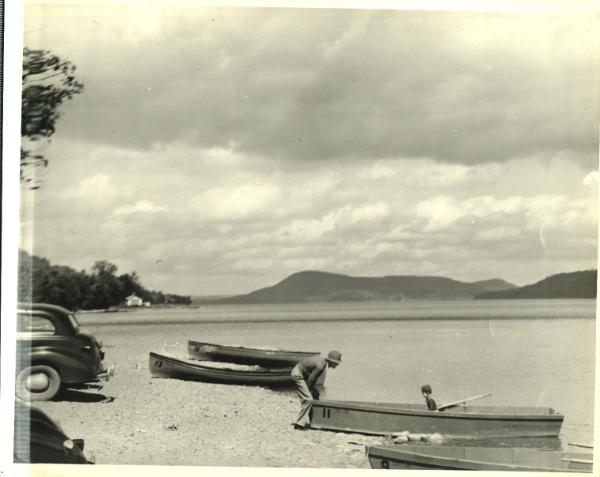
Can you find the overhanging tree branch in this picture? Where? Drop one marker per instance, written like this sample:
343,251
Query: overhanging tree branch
47,82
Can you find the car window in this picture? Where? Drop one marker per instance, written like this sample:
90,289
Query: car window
74,321
28,323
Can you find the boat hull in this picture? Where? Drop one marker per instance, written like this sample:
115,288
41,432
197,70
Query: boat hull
465,422
242,355
476,458
169,367
251,356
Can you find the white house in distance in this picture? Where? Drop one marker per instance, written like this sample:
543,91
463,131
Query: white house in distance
134,300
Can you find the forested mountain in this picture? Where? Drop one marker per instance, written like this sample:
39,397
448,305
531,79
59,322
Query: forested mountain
40,281
495,284
563,285
314,286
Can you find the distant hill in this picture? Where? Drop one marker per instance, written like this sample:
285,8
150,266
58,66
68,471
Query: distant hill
562,285
315,286
495,284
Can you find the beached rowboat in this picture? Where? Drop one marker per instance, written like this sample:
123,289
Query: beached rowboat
268,358
242,355
408,456
169,367
466,422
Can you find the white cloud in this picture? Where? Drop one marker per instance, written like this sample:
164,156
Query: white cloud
426,172
142,206
364,214
383,170
548,210
220,156
308,263
591,179
498,234
444,212
251,264
320,185
238,202
98,189
371,249
440,212
309,230
336,221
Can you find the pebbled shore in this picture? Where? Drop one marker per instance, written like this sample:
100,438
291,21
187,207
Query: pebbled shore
141,420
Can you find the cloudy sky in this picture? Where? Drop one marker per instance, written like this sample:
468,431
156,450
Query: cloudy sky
218,150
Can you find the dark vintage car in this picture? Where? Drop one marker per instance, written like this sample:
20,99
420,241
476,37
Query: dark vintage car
52,352
39,440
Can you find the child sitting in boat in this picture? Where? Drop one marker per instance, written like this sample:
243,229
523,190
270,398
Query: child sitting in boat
431,404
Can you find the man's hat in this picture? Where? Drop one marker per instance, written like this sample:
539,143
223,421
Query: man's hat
426,388
334,357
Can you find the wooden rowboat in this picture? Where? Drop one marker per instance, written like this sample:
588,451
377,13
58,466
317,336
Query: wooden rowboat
408,456
243,355
169,367
268,358
463,422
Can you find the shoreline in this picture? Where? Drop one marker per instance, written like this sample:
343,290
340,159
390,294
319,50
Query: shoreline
138,419
154,421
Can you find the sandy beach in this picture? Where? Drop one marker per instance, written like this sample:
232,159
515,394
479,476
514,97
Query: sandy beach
137,419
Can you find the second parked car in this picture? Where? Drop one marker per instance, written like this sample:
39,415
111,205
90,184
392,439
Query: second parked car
40,440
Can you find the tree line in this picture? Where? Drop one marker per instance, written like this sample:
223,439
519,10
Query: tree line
41,282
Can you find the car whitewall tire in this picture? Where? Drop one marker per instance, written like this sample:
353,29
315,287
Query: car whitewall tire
37,383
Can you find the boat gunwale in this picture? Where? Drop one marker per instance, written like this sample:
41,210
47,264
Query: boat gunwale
222,371
373,408
354,430
408,455
245,349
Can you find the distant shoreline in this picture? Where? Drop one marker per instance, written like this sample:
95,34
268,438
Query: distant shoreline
330,319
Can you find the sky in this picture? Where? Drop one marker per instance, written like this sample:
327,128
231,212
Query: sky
217,150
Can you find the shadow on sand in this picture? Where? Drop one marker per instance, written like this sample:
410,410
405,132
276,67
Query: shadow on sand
76,395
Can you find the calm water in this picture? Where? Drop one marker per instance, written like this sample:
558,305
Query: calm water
525,352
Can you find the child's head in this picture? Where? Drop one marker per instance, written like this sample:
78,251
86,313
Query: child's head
426,389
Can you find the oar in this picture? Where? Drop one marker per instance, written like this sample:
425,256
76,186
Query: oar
462,401
581,444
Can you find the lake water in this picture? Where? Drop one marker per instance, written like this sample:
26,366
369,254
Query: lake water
525,352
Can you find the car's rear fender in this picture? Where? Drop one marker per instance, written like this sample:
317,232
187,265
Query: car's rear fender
70,367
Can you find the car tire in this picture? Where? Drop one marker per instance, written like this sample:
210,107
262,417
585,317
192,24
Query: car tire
37,383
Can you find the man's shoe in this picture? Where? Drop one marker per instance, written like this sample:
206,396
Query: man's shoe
300,427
